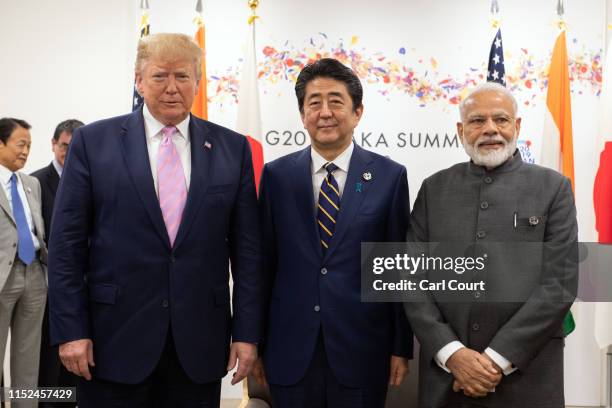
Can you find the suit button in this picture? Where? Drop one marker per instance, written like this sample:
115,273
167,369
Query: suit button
10,263
14,245
172,258
481,234
475,327
488,180
317,308
165,303
484,205
323,271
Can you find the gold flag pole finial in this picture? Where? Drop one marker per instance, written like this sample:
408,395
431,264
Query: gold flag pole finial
561,14
253,4
144,4
197,20
495,20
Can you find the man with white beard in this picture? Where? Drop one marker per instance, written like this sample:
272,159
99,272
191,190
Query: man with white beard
485,351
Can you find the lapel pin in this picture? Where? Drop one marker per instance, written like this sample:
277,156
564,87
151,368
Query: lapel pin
533,220
367,176
358,187
207,145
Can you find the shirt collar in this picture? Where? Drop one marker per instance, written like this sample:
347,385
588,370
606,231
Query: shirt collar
342,161
153,127
5,175
58,167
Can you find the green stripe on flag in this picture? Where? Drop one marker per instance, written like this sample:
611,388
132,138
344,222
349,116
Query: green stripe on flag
568,324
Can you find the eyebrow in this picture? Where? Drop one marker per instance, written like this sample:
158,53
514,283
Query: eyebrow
319,94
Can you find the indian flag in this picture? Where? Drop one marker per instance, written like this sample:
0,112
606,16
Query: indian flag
249,113
200,104
557,146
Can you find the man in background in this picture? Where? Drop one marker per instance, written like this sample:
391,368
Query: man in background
51,372
23,285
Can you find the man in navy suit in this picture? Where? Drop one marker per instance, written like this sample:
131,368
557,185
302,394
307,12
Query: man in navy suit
323,346
151,208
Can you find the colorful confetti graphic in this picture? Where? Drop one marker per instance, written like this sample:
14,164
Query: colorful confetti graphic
422,78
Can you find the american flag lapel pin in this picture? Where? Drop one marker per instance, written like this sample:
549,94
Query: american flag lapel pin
207,145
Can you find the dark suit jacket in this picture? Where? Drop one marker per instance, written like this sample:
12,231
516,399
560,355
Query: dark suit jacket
49,180
108,226
450,208
359,337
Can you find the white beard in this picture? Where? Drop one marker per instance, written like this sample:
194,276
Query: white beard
491,158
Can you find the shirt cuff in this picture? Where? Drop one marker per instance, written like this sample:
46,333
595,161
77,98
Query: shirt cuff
445,352
501,361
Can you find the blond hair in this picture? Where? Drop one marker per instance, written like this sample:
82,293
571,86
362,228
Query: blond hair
169,47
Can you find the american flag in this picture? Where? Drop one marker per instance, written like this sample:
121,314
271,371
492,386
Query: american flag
137,100
496,71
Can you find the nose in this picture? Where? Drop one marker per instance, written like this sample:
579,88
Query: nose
325,111
489,127
171,87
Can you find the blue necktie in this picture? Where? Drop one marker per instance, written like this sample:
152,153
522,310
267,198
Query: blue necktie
328,206
25,245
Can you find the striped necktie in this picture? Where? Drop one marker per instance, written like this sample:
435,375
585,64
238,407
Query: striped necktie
171,181
328,206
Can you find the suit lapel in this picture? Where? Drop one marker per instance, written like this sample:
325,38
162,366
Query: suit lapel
134,149
304,199
53,179
6,206
352,197
201,159
28,188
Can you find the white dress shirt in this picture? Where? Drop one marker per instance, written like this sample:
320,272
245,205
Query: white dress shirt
5,179
181,141
445,352
318,171
58,167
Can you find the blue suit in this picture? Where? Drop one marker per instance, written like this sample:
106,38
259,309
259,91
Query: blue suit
113,276
309,292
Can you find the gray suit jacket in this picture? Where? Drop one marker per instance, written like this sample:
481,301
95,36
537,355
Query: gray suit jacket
465,203
8,228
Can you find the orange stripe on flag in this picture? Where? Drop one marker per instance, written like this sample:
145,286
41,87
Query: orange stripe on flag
559,104
200,104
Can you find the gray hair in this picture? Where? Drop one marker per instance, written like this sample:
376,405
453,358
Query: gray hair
488,87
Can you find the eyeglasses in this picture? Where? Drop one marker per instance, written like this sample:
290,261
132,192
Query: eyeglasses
62,146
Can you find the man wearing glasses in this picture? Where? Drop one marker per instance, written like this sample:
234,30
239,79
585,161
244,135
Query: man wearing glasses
51,372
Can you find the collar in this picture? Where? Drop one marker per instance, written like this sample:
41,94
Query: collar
58,167
513,163
342,161
153,127
5,175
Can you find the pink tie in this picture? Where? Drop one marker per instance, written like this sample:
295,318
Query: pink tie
171,181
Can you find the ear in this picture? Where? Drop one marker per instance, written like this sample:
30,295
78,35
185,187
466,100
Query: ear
302,116
460,131
139,86
197,87
358,113
517,125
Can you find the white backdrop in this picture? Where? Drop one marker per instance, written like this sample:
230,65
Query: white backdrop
74,58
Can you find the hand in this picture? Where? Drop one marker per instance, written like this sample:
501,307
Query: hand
474,374
259,373
399,370
245,354
77,356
